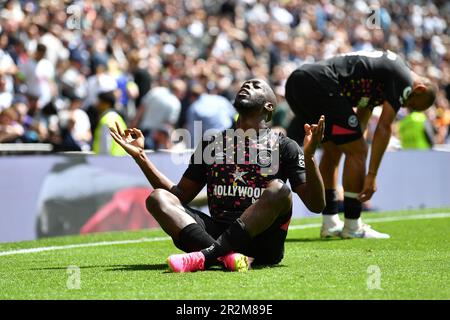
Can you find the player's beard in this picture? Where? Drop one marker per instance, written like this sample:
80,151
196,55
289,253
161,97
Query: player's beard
248,105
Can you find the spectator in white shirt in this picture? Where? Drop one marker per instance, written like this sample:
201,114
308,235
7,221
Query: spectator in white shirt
160,108
39,75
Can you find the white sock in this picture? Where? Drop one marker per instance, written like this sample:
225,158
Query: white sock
331,220
353,224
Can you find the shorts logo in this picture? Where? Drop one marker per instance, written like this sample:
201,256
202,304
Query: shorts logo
353,121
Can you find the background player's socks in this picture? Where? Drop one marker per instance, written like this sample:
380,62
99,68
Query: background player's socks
331,220
195,237
353,224
332,205
230,240
331,224
352,206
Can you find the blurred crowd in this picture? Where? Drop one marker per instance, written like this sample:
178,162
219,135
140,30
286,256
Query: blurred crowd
163,64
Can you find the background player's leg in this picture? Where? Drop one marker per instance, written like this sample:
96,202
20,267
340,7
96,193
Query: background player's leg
186,233
363,115
329,165
354,165
353,179
274,201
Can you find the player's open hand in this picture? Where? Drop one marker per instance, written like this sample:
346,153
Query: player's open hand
132,145
313,136
370,187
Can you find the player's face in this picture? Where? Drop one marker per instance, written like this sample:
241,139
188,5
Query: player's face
251,96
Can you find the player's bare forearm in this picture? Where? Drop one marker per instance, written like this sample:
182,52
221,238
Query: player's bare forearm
312,192
379,144
186,190
381,137
132,141
153,175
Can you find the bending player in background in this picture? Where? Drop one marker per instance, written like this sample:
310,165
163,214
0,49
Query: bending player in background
333,88
250,209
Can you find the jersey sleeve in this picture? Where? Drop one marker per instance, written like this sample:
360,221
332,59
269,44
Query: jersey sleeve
399,84
196,171
293,163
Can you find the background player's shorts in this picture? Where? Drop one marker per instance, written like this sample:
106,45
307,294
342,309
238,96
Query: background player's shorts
266,248
312,91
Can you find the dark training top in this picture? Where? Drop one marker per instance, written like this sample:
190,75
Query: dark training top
367,79
237,175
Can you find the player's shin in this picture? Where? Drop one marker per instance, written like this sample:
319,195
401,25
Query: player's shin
231,240
332,207
194,238
352,211
332,225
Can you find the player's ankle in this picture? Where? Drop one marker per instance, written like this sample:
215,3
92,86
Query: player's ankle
352,224
331,220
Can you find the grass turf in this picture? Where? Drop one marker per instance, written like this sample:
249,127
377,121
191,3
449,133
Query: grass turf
414,264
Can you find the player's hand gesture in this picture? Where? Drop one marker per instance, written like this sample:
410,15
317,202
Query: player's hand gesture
369,188
133,146
313,136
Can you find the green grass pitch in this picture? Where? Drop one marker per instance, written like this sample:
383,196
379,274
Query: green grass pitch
413,264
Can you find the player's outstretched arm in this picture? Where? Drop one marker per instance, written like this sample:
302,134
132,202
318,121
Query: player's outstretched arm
134,146
186,190
381,138
312,192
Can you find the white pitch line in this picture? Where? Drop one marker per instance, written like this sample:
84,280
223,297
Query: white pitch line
81,245
383,219
296,227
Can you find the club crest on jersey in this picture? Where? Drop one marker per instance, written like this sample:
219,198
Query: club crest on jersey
264,158
353,121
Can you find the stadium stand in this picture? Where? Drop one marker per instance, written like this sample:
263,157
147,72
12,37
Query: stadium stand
56,56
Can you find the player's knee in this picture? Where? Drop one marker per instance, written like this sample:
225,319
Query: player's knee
355,148
331,153
156,200
279,193
362,149
358,155
357,152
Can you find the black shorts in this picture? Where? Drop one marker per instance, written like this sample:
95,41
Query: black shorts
266,248
313,90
